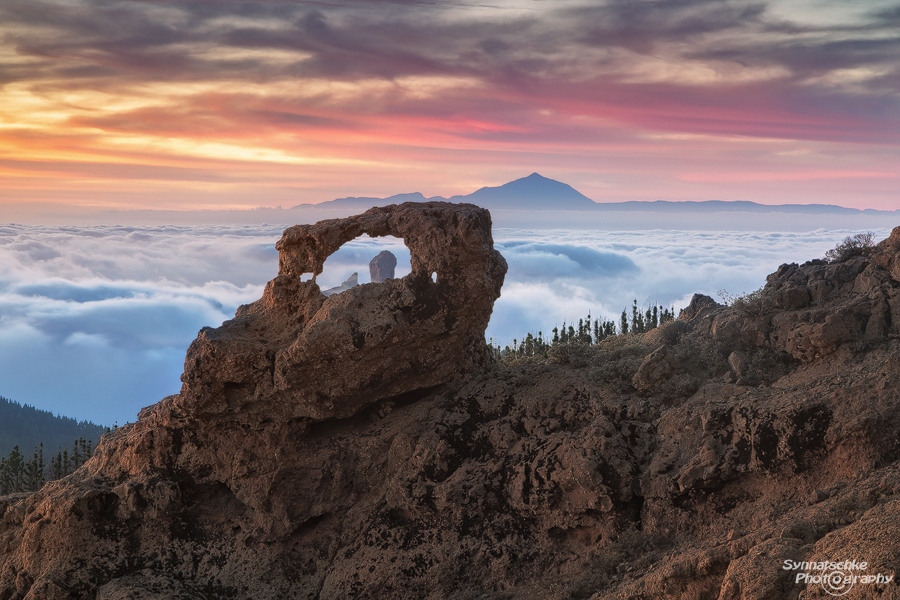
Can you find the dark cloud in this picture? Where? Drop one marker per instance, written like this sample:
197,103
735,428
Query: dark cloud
75,292
805,59
643,26
888,16
211,116
357,39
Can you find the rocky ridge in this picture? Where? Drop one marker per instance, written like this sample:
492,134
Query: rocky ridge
688,462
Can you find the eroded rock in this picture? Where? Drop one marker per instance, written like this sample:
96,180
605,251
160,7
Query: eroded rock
382,266
699,304
296,353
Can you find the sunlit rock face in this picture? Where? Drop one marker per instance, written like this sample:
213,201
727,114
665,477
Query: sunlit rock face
296,353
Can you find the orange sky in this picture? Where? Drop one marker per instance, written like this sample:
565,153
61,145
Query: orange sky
190,104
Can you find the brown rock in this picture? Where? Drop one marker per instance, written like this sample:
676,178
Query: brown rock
655,368
740,365
792,297
382,266
887,254
297,354
699,304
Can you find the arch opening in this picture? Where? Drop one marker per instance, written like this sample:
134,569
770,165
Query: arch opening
352,263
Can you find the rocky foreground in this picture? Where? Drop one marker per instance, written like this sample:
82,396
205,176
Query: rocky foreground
364,445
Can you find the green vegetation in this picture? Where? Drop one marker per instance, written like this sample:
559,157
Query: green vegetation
588,331
853,245
755,304
20,475
613,355
51,437
27,427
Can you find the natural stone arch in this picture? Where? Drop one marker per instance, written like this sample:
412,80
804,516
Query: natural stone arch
434,245
296,353
361,261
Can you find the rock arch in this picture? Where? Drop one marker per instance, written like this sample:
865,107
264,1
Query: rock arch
297,354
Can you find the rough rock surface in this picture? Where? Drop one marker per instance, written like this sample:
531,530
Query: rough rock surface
656,367
296,353
528,479
700,303
382,266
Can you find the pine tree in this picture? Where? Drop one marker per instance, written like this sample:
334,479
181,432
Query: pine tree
609,329
12,473
33,472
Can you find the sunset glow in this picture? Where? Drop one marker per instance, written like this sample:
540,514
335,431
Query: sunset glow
186,104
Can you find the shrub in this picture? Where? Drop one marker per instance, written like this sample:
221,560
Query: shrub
755,304
853,245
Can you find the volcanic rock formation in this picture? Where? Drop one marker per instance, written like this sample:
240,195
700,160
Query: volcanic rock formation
297,354
692,461
382,266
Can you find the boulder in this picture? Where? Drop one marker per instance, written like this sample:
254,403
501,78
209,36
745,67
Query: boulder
699,304
655,368
382,266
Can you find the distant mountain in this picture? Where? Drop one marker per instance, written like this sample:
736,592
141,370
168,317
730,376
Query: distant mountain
366,202
715,206
534,192
537,192
26,427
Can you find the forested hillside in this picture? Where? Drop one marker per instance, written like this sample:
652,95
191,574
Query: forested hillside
27,427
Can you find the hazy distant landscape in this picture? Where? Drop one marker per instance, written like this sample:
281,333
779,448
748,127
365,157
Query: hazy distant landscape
97,318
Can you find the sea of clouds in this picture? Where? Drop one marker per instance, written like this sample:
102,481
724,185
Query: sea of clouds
95,321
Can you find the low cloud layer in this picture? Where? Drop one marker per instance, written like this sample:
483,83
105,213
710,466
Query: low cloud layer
95,321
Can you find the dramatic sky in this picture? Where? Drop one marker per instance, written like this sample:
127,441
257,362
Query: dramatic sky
187,104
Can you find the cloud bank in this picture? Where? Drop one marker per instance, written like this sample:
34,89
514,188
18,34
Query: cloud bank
95,321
